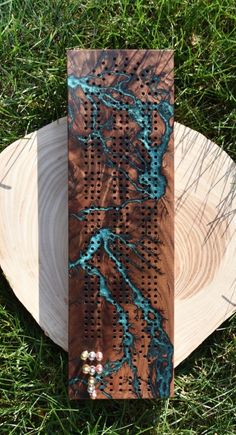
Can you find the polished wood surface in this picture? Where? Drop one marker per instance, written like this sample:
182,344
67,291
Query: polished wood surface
33,195
121,220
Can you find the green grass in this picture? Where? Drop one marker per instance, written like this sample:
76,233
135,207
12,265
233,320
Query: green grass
33,379
34,37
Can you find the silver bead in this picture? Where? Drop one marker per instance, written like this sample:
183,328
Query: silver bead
92,355
92,370
90,389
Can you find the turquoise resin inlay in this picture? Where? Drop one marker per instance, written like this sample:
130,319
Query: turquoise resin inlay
150,184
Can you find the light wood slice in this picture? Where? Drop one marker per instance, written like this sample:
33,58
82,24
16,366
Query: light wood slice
34,232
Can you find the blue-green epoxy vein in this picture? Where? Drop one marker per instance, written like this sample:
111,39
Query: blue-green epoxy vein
150,184
102,238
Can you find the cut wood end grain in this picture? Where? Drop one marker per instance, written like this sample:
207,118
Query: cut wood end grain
34,231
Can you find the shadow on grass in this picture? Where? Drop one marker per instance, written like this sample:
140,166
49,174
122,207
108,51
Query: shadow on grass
49,395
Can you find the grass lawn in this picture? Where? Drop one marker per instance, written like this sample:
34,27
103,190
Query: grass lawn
34,36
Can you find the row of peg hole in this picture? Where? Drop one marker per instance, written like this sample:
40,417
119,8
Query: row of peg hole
125,120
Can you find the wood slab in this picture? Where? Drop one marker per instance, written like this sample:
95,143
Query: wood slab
121,222
34,229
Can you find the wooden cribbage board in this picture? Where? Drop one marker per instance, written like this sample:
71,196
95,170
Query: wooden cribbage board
121,228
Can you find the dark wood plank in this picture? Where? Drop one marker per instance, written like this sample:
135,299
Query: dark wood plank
121,230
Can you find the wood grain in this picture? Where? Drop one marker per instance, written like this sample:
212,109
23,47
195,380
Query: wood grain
121,229
34,232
